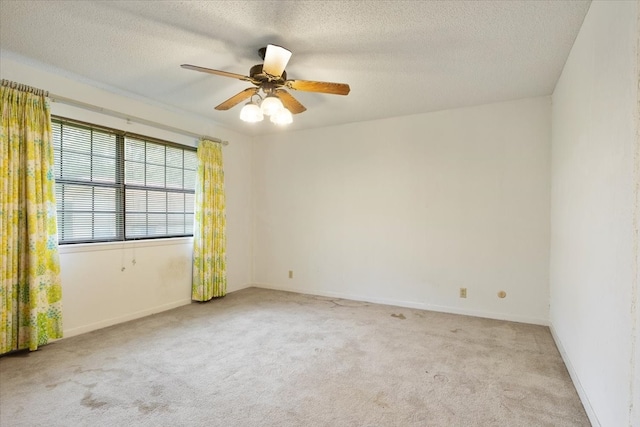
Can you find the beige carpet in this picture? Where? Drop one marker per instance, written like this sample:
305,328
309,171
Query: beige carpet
267,358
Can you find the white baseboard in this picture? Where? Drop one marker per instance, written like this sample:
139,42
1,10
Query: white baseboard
236,288
127,317
411,304
574,377
132,316
488,314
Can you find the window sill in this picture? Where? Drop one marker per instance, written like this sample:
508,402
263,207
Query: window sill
129,244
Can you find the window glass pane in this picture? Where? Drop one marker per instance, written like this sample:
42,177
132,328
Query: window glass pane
60,212
77,198
155,176
134,173
55,135
190,160
59,200
175,202
134,150
175,224
77,226
76,139
104,144
174,157
57,160
76,166
104,225
189,202
188,223
136,225
136,201
105,199
104,169
155,153
157,201
189,179
157,224
174,178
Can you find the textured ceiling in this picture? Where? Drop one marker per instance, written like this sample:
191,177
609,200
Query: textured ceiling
399,57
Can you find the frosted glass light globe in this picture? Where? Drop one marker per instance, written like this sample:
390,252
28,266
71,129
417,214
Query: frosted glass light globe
251,113
271,105
282,117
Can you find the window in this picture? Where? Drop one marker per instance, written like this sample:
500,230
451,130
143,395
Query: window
113,186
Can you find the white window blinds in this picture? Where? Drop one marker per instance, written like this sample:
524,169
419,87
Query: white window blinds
113,186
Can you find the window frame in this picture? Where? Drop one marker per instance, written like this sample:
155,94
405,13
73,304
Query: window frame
121,186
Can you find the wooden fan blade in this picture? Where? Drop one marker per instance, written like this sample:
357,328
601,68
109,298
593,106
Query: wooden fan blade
275,60
237,98
321,87
216,72
290,102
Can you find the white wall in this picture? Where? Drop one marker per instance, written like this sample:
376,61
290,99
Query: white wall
407,210
594,253
96,291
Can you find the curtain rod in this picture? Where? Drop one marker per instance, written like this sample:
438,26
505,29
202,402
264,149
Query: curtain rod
74,103
22,87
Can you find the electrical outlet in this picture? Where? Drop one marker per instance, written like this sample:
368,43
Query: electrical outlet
290,274
463,292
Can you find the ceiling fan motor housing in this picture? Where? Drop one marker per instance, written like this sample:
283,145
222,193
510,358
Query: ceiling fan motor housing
256,74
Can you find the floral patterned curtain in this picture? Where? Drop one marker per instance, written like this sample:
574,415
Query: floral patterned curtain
209,238
30,289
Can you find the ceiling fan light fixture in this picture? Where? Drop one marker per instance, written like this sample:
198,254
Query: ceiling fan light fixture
251,113
282,117
271,105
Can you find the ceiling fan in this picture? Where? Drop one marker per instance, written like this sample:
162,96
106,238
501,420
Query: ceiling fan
270,77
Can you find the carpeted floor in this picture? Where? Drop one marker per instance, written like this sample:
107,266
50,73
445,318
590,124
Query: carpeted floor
268,358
